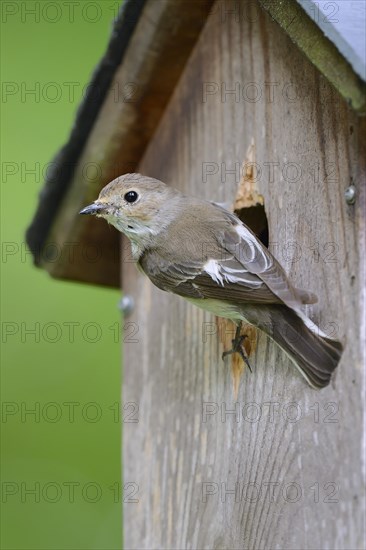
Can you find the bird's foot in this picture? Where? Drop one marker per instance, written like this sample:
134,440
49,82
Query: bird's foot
238,347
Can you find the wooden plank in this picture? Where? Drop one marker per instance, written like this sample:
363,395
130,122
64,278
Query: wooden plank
164,37
294,455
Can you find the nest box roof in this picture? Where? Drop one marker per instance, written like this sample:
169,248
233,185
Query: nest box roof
150,44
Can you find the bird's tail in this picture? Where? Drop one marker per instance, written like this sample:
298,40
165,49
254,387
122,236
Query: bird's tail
314,354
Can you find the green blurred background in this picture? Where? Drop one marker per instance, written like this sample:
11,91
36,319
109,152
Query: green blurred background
60,470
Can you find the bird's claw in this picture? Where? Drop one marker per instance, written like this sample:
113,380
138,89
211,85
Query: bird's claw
237,347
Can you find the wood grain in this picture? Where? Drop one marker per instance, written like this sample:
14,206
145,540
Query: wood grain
188,451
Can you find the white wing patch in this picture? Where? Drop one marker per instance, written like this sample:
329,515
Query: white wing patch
212,268
221,273
252,252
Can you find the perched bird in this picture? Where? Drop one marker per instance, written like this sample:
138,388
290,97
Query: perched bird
204,253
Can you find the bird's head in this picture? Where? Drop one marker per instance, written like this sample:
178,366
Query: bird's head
138,206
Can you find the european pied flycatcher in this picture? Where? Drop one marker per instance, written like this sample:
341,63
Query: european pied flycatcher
204,253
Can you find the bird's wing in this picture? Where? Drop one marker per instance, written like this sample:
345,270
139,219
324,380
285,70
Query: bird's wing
255,258
235,265
216,278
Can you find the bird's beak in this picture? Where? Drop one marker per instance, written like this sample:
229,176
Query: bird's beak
92,209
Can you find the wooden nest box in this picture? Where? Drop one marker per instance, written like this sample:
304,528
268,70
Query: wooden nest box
259,104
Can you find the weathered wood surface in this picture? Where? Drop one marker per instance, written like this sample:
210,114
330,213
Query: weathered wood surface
294,455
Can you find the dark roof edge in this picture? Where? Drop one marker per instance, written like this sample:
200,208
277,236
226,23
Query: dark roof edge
64,163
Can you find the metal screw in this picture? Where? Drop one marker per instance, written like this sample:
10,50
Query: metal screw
126,305
350,194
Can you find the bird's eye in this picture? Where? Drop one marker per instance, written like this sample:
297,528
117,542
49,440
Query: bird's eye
131,196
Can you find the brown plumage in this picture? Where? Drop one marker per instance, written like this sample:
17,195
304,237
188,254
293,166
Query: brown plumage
204,253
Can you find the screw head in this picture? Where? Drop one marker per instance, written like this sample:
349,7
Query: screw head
126,305
350,194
